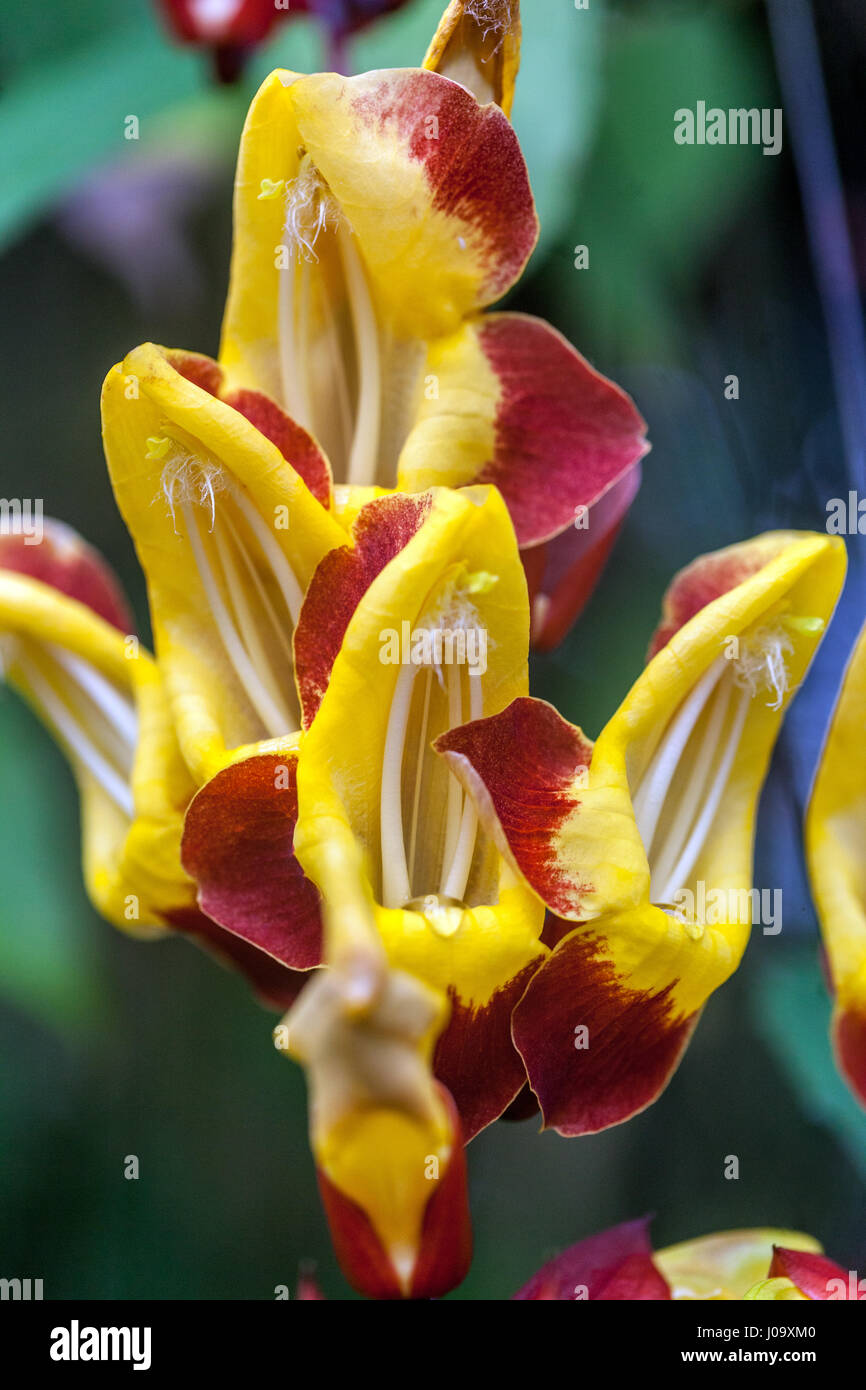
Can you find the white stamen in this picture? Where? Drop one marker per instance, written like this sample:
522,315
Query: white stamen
270,714
454,885
686,862
695,790
454,811
78,743
419,769
282,570
292,378
114,706
363,456
761,663
187,478
249,632
279,626
655,782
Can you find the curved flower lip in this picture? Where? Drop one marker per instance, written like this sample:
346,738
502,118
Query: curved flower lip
478,954
239,830
432,187
337,278
835,833
228,534
59,644
589,784
65,562
604,1021
237,846
480,48
517,406
62,601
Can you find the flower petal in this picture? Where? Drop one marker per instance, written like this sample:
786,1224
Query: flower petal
835,837
385,1135
709,576
515,405
432,187
228,535
379,532
64,561
814,1275
725,1265
444,1246
475,1057
480,48
598,1050
563,572
525,768
237,845
616,1264
475,953
635,975
100,699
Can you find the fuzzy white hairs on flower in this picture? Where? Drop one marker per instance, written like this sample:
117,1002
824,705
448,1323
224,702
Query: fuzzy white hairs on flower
310,209
187,478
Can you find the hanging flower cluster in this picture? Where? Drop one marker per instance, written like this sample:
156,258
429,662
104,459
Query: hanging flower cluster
332,774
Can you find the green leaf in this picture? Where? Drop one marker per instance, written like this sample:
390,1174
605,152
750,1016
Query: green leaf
67,114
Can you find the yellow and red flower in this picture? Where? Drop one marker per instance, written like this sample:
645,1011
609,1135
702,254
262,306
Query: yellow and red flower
464,809
618,838
835,840
376,217
67,648
385,1134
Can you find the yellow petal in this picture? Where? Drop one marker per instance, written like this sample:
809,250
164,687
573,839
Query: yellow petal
399,187
835,839
727,1265
750,652
381,798
99,694
228,536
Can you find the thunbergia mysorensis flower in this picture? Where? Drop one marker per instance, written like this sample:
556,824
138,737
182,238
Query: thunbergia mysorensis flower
375,218
227,502
620,1264
66,646
385,1134
618,838
836,856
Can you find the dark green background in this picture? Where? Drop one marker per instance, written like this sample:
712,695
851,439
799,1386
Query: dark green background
698,268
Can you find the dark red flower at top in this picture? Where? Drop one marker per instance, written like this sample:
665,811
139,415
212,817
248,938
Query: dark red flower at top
230,28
